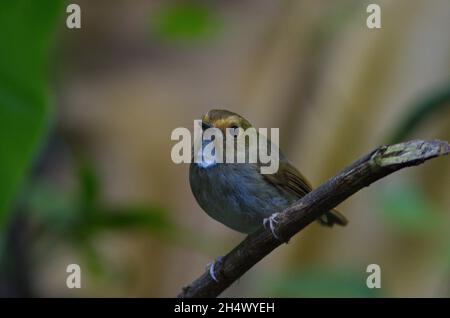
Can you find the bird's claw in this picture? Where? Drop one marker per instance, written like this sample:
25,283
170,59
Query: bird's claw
211,268
269,223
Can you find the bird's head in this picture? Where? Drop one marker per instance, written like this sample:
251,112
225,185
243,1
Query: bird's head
223,119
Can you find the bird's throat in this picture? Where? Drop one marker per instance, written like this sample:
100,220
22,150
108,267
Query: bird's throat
207,159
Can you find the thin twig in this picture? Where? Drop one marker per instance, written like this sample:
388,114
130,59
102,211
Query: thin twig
377,164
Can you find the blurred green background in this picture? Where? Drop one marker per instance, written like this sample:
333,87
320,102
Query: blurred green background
86,116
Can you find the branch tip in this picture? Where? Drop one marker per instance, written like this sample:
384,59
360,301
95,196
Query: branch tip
410,152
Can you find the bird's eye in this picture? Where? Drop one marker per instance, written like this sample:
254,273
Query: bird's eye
206,126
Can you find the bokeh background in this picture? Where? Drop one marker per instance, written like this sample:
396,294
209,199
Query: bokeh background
86,116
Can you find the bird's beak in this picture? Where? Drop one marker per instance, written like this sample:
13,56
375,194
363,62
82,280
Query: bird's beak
206,126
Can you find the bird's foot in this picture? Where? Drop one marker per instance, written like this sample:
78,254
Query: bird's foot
270,222
211,268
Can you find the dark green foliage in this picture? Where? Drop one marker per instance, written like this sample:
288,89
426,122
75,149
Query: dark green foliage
184,21
25,36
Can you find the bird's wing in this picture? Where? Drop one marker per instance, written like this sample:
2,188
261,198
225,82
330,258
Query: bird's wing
288,178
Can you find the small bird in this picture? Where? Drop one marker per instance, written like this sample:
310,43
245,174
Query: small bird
237,194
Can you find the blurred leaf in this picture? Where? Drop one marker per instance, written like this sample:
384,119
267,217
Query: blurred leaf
184,20
321,283
91,258
25,31
53,207
151,218
408,208
79,214
421,112
98,217
89,187
61,211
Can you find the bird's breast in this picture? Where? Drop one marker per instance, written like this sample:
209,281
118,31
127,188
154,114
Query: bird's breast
236,195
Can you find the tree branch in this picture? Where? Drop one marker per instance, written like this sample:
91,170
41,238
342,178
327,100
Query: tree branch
370,168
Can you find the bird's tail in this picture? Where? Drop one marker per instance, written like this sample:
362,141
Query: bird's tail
333,217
